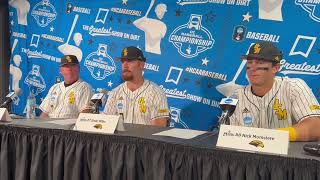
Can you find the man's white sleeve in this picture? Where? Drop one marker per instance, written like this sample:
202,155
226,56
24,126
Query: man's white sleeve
85,95
304,103
45,105
160,106
234,118
110,107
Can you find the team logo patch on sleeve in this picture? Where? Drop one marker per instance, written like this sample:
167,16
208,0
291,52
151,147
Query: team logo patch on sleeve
315,107
71,98
163,110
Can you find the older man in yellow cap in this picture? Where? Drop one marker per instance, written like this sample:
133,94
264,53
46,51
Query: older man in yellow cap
70,97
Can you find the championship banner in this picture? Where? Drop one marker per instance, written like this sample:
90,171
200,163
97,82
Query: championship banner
193,47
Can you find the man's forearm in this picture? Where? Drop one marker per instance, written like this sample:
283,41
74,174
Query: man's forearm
308,129
161,122
44,115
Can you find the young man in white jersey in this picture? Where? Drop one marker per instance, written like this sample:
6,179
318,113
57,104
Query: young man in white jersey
275,102
137,100
68,98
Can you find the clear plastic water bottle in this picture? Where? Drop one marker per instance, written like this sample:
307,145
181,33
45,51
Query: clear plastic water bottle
31,106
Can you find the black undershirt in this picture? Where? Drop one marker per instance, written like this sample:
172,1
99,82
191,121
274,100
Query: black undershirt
66,85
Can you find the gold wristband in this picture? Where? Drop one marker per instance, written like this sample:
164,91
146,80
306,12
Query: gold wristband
292,132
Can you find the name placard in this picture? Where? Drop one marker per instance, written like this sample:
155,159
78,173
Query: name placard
253,139
4,115
97,123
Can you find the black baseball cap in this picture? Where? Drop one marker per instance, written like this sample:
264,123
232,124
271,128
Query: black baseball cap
264,51
69,59
132,53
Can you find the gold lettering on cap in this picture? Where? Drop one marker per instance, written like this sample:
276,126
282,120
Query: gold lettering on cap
125,52
256,49
68,58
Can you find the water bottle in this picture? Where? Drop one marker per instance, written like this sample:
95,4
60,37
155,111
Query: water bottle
31,106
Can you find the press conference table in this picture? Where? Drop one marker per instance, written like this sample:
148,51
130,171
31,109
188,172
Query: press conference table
37,150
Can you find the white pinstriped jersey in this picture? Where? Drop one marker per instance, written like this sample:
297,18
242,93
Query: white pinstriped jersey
289,101
67,102
141,106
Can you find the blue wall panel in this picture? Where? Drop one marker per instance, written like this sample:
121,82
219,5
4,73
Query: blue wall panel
193,47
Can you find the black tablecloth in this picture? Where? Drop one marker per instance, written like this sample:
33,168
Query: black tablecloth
60,154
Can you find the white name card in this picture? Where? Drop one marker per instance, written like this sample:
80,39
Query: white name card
97,123
253,139
4,115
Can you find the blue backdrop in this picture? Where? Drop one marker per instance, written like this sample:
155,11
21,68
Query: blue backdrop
193,47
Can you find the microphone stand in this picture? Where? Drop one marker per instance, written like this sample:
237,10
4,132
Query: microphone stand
224,119
96,107
7,104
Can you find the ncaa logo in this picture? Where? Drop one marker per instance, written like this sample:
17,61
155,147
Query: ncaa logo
120,106
238,33
247,121
228,101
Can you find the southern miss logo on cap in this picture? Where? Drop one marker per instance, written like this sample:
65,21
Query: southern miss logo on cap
125,52
68,58
277,58
256,49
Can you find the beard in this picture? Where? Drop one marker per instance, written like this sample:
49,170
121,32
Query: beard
127,75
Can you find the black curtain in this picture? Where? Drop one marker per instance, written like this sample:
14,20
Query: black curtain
39,154
4,49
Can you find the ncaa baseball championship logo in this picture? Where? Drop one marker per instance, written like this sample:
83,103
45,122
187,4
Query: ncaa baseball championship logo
311,7
192,38
44,13
35,80
99,63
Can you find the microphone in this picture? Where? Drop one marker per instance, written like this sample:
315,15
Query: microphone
11,97
228,105
98,100
313,149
